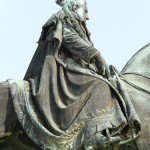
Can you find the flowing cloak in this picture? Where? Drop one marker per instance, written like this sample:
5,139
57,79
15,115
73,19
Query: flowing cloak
69,101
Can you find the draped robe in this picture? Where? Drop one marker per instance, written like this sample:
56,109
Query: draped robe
69,101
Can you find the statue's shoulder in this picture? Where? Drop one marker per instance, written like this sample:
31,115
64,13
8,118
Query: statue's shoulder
52,22
60,15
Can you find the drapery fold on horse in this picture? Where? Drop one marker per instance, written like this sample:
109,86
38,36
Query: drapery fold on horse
65,101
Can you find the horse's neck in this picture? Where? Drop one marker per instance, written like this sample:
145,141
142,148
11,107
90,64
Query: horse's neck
139,63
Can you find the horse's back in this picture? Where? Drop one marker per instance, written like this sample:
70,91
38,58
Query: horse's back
12,136
7,113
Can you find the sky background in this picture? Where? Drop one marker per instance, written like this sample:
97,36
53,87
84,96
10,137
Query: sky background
119,29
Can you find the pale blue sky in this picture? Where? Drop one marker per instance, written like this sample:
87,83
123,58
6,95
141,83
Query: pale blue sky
119,28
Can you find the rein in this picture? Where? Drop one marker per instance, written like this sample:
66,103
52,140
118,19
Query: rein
135,73
118,75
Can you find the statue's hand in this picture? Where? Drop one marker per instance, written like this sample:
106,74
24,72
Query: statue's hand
102,66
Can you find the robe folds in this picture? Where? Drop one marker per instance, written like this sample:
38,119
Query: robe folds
64,101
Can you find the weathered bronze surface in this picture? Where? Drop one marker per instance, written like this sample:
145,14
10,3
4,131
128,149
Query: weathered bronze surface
70,99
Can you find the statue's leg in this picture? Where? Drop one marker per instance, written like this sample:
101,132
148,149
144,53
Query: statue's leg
99,141
101,121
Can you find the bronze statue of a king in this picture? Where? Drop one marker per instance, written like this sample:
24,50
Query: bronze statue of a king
70,99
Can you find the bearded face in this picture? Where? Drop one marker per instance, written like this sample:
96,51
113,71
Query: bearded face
82,11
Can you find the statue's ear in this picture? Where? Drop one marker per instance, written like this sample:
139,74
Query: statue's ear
75,8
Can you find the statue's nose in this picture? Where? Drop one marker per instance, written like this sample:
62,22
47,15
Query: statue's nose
87,16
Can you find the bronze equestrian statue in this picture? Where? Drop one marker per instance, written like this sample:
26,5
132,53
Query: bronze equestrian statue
70,99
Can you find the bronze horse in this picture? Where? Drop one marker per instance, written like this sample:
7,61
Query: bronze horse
136,79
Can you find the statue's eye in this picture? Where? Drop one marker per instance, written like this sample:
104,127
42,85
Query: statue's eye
86,11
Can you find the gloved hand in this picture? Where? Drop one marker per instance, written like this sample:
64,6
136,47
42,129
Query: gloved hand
101,65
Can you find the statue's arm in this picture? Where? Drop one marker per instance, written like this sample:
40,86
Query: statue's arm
79,47
76,45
